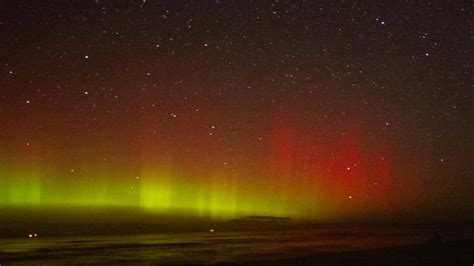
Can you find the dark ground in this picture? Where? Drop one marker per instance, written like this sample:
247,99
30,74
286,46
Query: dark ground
265,248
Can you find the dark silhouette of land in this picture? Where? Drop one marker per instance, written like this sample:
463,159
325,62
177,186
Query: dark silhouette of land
96,236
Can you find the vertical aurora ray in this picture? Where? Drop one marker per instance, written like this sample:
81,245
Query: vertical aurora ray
21,188
297,177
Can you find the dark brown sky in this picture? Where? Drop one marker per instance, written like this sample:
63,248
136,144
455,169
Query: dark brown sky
343,104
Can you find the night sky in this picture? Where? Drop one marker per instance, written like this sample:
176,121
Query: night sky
308,109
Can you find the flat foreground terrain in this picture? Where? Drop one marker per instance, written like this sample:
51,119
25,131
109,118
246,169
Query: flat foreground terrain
329,246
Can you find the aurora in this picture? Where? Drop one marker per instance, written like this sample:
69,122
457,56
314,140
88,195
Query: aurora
283,110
